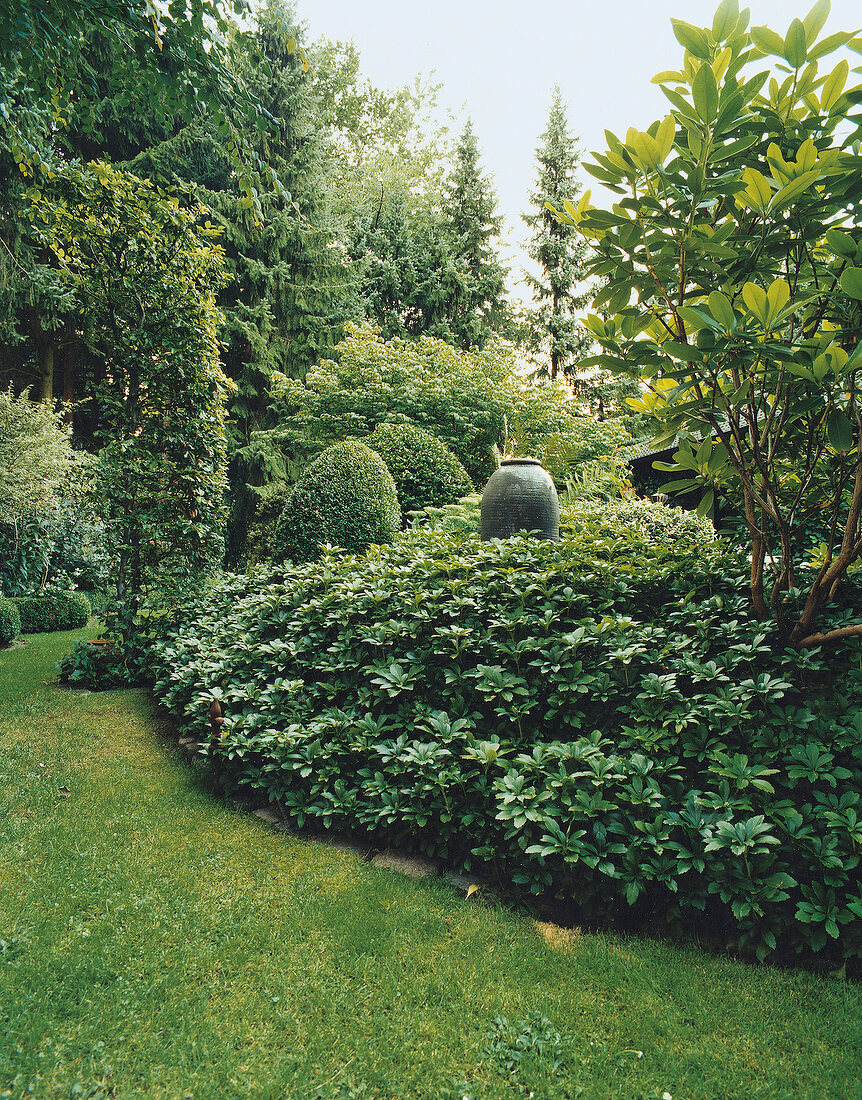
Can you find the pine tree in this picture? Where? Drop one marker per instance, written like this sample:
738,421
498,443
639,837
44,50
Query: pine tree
473,226
554,336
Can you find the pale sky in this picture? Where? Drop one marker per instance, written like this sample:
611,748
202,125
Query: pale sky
498,62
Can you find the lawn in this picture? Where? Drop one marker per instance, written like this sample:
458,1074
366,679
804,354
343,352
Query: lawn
156,941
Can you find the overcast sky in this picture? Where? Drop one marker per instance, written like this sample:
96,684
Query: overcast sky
498,62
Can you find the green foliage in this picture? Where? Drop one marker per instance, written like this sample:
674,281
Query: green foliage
53,611
10,621
345,498
35,455
473,227
555,337
605,478
653,523
423,468
595,718
171,63
463,515
340,978
472,401
732,287
144,271
268,503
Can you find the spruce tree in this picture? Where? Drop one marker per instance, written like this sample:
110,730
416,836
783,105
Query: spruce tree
473,226
554,336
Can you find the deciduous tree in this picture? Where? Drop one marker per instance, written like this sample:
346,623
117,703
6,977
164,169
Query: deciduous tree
144,269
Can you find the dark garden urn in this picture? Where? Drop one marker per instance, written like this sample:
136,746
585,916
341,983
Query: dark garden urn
520,496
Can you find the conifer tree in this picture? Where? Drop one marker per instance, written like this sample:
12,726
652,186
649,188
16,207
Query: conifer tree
554,336
473,225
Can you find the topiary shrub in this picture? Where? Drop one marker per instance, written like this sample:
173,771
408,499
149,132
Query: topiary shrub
52,611
346,497
10,621
425,470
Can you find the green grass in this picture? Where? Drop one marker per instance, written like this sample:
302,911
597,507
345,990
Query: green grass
156,942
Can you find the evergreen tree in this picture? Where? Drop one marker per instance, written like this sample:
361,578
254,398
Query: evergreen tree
473,228
553,333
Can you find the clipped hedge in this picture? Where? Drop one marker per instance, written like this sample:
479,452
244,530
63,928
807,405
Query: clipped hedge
597,718
10,621
425,471
346,497
55,611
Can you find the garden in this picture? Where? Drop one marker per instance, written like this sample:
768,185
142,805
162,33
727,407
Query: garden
251,525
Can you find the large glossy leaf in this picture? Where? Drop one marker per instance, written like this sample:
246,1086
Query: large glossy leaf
767,40
755,298
721,309
691,37
705,93
842,244
829,44
725,19
815,20
834,85
791,191
795,45
840,431
851,282
706,503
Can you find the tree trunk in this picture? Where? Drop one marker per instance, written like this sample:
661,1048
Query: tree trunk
45,353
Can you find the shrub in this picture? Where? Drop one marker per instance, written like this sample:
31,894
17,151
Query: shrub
267,503
425,471
52,611
346,497
10,621
471,400
647,520
591,717
464,515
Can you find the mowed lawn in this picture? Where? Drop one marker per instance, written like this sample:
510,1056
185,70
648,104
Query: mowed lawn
157,942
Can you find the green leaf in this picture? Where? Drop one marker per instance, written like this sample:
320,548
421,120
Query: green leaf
791,191
705,93
721,309
725,19
814,21
834,85
689,353
842,244
839,431
665,137
851,282
829,44
777,298
795,45
693,38
768,40
755,298
757,191
706,502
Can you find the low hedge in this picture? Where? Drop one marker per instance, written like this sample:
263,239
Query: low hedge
56,611
10,621
598,718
